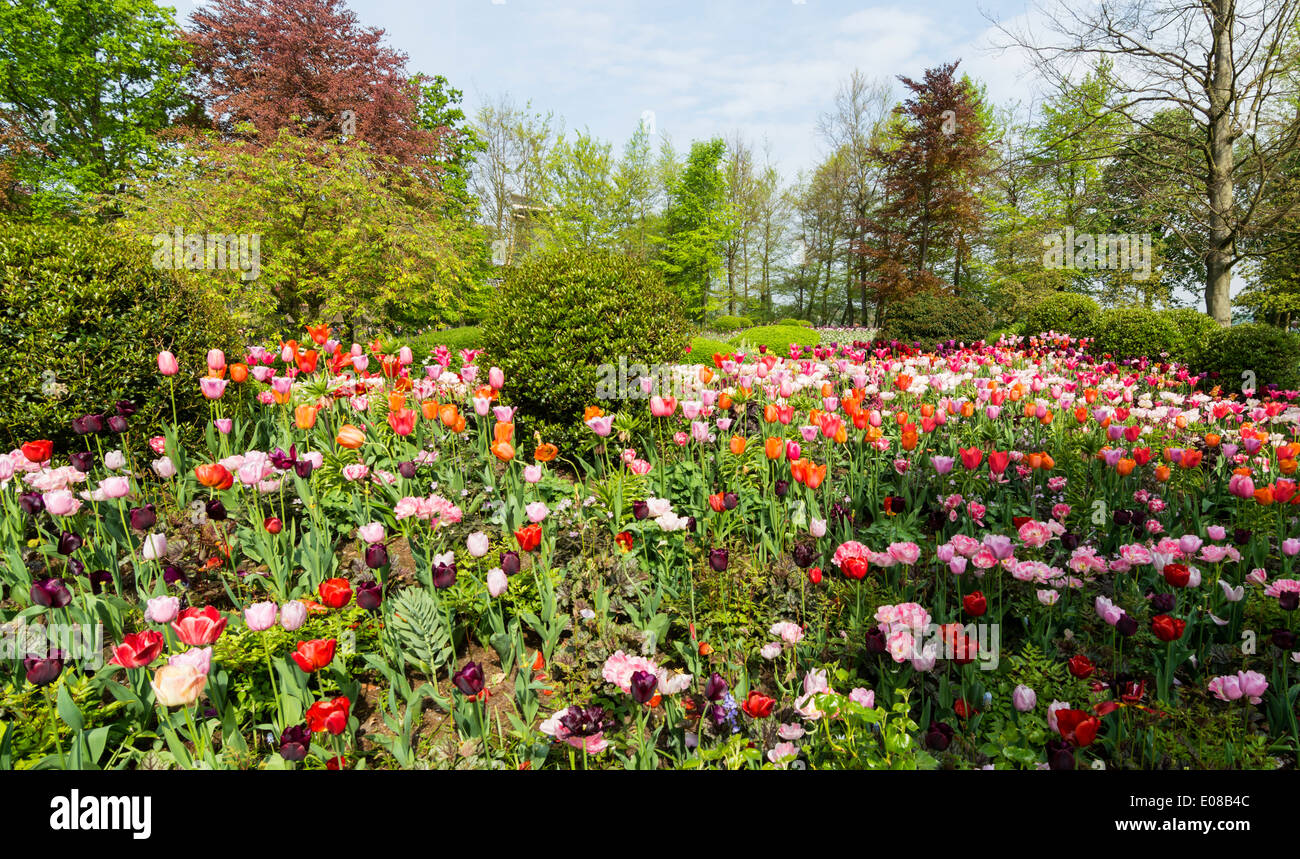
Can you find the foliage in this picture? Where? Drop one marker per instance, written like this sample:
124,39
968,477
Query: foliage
89,84
1135,332
777,338
704,348
334,241
455,339
1269,355
1064,313
800,322
695,225
932,318
560,315
82,319
1194,331
727,324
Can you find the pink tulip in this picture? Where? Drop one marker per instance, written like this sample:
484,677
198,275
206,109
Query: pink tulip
213,388
167,364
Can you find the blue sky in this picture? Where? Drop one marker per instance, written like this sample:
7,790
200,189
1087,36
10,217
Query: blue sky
765,68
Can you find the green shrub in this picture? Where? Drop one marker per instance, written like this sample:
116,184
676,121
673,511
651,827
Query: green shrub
560,316
455,339
1271,353
801,323
777,338
83,315
1134,332
1064,313
703,349
1194,330
932,318
727,324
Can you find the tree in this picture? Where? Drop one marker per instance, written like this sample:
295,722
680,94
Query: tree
324,232
636,196
695,225
438,111
577,190
86,86
508,176
310,66
930,209
1229,65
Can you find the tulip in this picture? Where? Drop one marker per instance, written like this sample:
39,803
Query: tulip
143,518
199,627
295,742
478,544
469,680
311,656
330,715
178,685
369,595
138,649
1023,699
162,609
718,559
261,616
213,388
510,562
376,556
292,615
335,593
497,582
51,593
350,437
43,670
167,364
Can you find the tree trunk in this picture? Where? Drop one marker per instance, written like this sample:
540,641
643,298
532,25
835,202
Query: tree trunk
1218,257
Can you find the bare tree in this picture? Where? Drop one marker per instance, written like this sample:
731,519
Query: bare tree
1231,66
507,177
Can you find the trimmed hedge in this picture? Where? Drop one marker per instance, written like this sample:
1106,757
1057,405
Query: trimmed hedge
1064,313
703,349
1194,330
455,339
1272,354
801,323
727,324
932,318
1135,332
562,314
777,338
83,316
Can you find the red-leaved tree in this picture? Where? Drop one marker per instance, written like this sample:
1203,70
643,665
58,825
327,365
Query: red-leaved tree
307,65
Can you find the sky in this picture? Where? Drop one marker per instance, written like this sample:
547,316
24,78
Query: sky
764,68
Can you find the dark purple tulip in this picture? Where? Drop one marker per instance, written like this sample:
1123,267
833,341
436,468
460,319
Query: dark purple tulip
303,468
79,426
876,642
644,686
69,542
93,423
1241,536
143,518
216,510
117,424
83,461
718,560
407,469
369,595
640,510
444,575
730,500
1126,625
715,687
939,737
1284,638
172,575
294,743
376,556
1162,603
781,487
803,555
125,408
510,562
1288,600
1122,517
51,593
717,715
1059,755
1070,541
285,461
42,670
585,722
99,579
690,524
76,568
469,680
31,502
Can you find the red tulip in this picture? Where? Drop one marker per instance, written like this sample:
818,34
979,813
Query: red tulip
335,593
1177,575
331,715
199,627
38,451
1081,666
975,604
758,705
971,457
138,649
314,655
529,537
998,461
1077,726
1167,628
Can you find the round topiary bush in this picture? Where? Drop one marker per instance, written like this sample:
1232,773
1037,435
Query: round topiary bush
1194,329
776,338
1064,313
1266,354
83,316
931,318
802,323
1135,332
702,350
727,324
563,321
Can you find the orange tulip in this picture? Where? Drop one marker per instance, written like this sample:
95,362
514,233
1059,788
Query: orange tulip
429,410
1264,495
402,421
350,437
319,333
503,431
1125,466
724,402
816,474
458,425
304,417
705,375
770,414
774,447
307,361
214,475
1287,466
238,373
841,434
900,418
503,451
448,414
545,452
909,440
1046,419
967,409
1163,473
737,444
927,411
1081,414
799,470
592,412
1212,439
396,402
